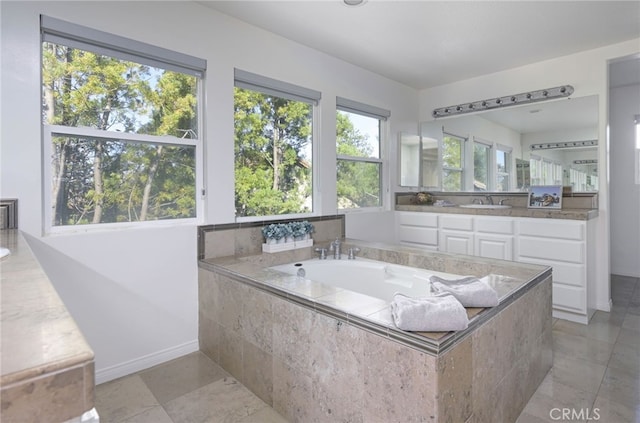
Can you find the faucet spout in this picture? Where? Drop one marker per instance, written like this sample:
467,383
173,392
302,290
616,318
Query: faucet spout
336,247
489,199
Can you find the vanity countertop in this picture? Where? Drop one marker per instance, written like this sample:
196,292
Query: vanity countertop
572,214
47,367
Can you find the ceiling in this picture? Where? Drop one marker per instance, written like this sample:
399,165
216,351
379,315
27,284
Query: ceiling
424,44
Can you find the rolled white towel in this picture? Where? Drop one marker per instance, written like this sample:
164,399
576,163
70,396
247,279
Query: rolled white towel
436,313
470,291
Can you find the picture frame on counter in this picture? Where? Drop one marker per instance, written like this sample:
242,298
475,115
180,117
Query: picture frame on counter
545,197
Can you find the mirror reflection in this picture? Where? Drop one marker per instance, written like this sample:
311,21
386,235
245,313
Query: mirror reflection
548,143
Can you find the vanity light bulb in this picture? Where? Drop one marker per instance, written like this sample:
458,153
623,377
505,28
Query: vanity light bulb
513,99
459,108
498,101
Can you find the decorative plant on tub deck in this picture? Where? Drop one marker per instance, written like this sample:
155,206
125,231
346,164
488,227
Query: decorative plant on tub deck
276,233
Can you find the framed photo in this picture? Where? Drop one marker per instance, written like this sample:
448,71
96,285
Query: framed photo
545,197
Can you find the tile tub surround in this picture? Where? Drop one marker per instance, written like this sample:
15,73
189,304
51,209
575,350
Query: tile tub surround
47,367
243,239
315,354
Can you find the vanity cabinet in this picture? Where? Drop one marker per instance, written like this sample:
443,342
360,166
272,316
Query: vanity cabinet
565,245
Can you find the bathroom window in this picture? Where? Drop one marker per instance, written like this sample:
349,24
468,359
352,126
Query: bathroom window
122,128
503,168
453,162
274,125
358,152
481,165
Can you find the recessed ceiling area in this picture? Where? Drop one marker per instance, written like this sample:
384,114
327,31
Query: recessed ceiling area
424,44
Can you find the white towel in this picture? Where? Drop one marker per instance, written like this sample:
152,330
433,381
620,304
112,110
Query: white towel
470,291
436,313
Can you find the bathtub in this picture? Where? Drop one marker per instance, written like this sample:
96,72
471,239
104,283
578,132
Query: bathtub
369,277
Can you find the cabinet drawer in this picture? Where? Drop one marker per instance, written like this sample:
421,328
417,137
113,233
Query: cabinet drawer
556,249
459,223
418,219
552,229
569,298
419,235
564,273
494,226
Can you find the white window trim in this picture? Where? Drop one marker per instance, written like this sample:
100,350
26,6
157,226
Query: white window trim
47,148
355,107
77,36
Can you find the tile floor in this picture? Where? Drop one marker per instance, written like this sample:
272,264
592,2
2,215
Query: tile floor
596,372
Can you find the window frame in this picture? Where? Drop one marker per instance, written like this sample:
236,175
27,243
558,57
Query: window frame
274,87
382,115
65,33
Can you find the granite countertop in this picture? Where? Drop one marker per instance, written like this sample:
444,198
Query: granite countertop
572,214
40,342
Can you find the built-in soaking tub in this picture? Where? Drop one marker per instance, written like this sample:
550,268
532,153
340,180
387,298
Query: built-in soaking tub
374,278
324,347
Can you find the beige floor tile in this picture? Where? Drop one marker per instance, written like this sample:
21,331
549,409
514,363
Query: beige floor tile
620,386
528,418
626,357
578,373
581,347
611,411
152,415
552,396
631,322
225,400
600,331
266,415
628,337
177,377
613,318
123,398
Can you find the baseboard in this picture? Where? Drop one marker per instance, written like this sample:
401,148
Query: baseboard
605,306
144,362
572,317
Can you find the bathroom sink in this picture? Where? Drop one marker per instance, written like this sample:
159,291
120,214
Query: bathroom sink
486,206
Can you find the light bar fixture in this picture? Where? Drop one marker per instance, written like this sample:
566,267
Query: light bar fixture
587,161
506,101
568,144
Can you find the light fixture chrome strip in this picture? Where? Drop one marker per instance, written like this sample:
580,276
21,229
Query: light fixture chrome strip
587,161
568,144
509,100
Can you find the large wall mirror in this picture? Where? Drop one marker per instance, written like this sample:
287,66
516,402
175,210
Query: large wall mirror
507,150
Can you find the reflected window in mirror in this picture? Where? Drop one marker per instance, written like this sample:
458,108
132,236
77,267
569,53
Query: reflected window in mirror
481,165
453,162
503,168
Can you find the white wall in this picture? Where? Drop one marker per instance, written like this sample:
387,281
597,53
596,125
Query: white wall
625,194
134,292
587,72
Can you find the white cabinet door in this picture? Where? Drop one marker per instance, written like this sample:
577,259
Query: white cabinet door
456,242
494,246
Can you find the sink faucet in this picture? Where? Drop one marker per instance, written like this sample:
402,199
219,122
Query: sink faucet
335,247
477,201
352,253
489,199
